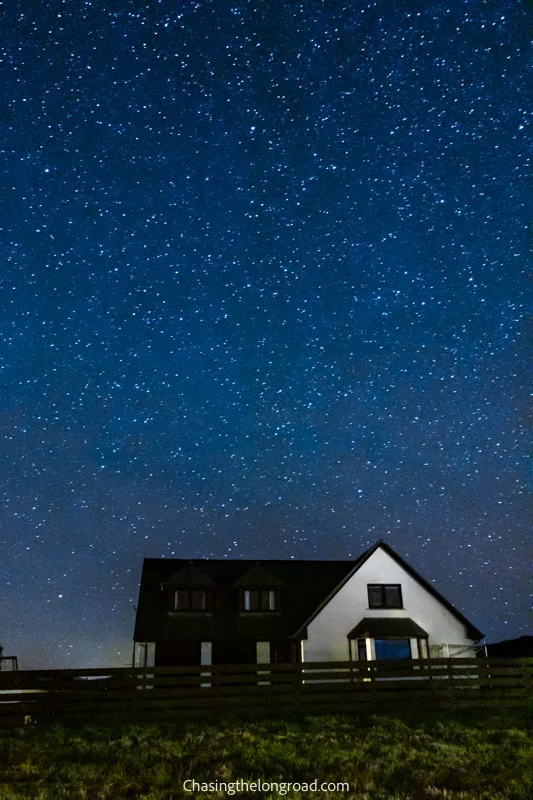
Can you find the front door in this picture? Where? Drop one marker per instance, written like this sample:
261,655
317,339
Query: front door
234,651
181,653
282,652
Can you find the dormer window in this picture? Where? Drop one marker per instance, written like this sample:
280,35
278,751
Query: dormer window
385,595
259,590
190,590
190,600
259,600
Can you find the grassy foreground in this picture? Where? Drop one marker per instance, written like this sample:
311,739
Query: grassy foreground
381,758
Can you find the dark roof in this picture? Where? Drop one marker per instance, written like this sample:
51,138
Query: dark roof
388,628
511,648
259,577
472,632
311,585
309,582
191,576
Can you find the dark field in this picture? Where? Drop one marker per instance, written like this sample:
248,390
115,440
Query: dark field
461,757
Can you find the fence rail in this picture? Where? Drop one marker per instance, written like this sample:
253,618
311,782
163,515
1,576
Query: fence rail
167,693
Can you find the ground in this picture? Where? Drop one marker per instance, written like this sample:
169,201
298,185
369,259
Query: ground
436,757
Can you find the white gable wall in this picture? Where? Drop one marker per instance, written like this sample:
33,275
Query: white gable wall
327,633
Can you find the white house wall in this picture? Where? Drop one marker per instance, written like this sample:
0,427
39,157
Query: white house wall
327,633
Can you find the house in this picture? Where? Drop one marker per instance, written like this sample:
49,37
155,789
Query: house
207,611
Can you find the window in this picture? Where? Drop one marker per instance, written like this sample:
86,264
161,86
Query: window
259,600
190,600
392,648
361,650
423,648
382,595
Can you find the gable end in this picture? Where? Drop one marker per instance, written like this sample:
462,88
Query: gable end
472,632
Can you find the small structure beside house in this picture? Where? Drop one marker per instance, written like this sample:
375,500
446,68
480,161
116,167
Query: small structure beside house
209,611
8,662
510,648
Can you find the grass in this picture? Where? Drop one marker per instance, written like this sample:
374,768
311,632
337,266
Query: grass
436,757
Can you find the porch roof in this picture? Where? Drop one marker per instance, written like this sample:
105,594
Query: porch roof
387,628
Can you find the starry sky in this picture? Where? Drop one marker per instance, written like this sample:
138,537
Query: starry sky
264,293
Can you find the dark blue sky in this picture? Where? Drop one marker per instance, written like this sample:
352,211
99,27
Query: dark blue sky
265,293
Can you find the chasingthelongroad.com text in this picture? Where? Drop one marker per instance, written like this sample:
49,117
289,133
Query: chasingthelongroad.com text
279,787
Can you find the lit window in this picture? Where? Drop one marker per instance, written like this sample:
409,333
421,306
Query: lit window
259,600
392,649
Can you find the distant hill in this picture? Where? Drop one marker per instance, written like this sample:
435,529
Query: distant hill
511,648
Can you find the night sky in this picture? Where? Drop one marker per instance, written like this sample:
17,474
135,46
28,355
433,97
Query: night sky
264,293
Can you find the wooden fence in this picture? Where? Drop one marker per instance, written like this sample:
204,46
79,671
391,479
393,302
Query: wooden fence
169,693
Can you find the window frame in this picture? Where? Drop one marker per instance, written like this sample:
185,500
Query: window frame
259,601
383,603
190,604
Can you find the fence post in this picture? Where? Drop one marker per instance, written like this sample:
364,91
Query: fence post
452,686
298,684
527,669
